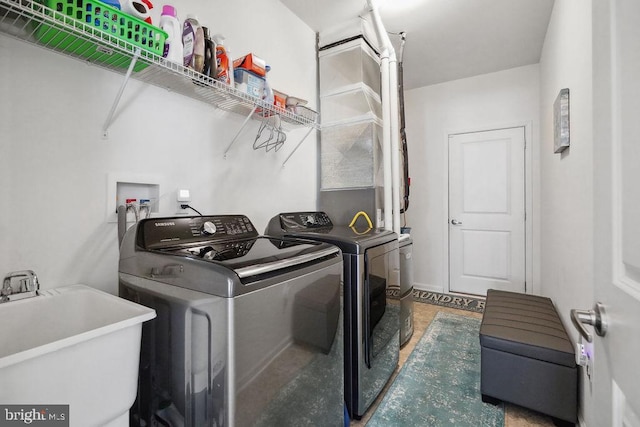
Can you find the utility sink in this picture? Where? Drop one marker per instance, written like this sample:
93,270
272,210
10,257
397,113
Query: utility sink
75,346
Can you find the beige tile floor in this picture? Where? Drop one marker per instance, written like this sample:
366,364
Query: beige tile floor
423,314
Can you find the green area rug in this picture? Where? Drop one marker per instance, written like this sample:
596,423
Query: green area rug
439,385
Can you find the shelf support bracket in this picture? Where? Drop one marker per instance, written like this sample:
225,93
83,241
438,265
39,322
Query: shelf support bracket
297,146
116,101
255,107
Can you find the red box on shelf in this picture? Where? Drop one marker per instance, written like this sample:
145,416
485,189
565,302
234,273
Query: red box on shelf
252,63
279,99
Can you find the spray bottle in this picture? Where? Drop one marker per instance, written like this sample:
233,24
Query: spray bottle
224,68
230,69
173,45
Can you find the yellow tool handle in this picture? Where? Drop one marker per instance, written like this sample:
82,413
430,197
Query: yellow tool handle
358,215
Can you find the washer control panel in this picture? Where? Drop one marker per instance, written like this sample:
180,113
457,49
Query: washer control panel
222,251
304,220
209,228
158,233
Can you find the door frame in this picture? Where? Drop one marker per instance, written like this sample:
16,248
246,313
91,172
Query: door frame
532,267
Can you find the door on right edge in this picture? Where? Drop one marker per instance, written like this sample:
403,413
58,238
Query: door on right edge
487,211
612,390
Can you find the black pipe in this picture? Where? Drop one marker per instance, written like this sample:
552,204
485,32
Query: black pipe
403,134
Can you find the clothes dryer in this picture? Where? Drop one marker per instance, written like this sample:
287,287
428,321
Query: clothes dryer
371,331
249,329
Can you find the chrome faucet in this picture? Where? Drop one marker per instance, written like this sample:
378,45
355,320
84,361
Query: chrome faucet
29,286
6,290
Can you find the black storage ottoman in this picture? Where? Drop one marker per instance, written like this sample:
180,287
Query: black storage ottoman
527,357
316,314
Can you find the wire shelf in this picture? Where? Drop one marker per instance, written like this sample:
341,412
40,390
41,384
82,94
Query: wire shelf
28,21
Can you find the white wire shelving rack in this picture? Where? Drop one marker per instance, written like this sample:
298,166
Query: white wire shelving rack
27,20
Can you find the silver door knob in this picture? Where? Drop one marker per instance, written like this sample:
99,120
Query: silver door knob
596,318
456,222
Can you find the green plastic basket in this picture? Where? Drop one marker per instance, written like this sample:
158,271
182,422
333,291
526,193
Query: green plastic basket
111,24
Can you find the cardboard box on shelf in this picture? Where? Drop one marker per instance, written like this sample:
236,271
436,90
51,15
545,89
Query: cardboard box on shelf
279,99
251,63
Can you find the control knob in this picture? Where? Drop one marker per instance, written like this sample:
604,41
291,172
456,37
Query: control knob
310,220
208,228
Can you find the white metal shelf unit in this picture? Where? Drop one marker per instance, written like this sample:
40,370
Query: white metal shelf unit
24,19
350,142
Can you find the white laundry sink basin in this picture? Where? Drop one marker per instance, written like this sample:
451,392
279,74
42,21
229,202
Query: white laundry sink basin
72,345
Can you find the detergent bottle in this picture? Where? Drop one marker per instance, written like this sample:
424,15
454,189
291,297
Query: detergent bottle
141,9
268,92
209,69
173,44
267,95
193,42
188,42
198,47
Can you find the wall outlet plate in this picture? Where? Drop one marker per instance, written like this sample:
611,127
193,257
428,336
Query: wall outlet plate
586,357
184,196
581,356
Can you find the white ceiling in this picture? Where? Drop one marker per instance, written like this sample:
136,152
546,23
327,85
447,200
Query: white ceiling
447,39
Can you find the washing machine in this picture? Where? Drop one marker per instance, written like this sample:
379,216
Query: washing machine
371,330
249,329
405,244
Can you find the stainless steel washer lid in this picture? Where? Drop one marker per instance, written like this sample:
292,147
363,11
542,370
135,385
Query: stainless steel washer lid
262,259
220,255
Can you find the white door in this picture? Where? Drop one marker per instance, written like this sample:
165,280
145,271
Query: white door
613,399
487,211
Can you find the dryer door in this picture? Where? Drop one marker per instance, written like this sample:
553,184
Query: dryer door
381,324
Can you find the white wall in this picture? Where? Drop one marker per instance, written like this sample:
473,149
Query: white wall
54,163
567,178
478,103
